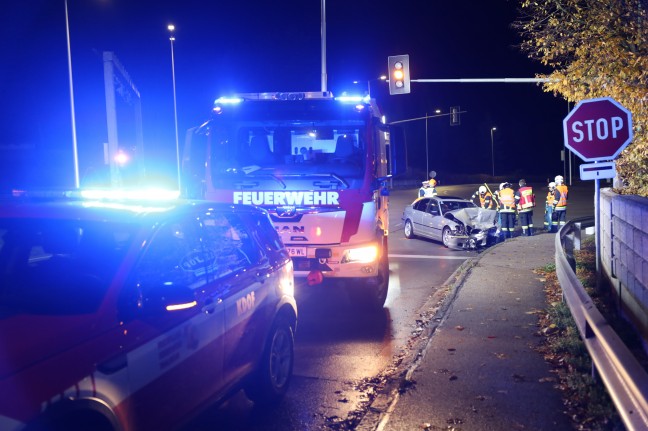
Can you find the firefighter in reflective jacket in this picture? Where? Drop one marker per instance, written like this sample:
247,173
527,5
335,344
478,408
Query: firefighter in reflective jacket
507,209
560,204
428,189
525,202
485,198
548,218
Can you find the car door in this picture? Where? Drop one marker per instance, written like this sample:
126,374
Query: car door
435,219
428,217
244,273
419,209
177,359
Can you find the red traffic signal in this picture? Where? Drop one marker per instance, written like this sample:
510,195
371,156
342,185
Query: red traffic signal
399,76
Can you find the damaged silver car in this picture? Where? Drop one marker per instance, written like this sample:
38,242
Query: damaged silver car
458,223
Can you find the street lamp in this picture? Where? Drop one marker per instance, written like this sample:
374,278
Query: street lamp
492,150
74,136
171,29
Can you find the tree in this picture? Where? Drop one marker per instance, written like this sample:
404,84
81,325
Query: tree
596,48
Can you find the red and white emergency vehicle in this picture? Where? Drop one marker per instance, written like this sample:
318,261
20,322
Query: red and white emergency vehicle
319,165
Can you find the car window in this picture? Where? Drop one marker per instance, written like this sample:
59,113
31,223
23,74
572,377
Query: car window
174,257
455,205
59,266
421,204
229,243
433,208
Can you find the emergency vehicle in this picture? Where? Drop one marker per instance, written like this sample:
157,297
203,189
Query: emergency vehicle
319,165
125,316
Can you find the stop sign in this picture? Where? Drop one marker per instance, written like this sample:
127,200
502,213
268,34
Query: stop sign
598,129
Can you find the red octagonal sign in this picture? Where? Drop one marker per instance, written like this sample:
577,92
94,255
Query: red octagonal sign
598,129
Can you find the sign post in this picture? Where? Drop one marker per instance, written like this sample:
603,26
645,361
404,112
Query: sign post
597,130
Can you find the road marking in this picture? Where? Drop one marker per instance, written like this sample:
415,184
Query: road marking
425,256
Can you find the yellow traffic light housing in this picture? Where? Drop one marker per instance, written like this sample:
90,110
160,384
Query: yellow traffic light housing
399,76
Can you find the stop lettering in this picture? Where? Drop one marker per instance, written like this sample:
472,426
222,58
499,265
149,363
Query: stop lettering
601,129
598,129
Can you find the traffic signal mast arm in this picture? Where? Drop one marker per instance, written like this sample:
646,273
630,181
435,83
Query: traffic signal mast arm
504,80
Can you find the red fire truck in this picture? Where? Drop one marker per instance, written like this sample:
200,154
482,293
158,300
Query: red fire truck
319,165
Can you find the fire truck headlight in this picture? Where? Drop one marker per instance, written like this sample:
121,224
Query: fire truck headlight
361,255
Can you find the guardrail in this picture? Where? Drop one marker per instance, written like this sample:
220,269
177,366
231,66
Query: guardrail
625,379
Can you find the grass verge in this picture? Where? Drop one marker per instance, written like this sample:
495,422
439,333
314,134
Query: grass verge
585,398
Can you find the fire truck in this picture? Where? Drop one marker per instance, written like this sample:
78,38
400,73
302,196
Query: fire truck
320,165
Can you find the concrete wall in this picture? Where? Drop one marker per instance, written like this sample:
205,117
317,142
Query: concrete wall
624,254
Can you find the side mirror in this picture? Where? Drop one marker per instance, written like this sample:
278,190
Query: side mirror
167,298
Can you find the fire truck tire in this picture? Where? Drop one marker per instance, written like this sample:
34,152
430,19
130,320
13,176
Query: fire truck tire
270,382
409,229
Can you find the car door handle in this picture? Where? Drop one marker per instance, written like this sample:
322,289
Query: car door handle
210,305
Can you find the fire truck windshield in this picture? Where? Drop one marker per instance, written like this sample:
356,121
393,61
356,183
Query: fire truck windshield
288,152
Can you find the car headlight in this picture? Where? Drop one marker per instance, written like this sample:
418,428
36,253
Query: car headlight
361,255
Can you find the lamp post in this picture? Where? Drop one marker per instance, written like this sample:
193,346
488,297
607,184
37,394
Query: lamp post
74,136
427,157
492,149
171,29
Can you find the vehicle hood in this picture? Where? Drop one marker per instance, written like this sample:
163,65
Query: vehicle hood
476,218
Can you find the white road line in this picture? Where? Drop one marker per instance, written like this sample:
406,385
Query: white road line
425,256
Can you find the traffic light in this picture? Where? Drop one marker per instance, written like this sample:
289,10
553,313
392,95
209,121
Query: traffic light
399,76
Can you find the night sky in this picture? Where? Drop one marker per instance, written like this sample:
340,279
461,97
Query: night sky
254,46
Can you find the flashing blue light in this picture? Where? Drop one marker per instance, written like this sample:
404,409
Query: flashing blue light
353,99
228,100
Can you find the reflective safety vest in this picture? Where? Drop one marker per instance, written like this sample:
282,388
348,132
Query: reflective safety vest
507,200
550,198
562,199
526,200
486,201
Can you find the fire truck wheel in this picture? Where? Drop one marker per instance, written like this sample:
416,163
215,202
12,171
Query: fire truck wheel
409,229
270,382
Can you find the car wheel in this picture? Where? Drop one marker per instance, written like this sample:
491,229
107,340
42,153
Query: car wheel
409,229
445,236
270,382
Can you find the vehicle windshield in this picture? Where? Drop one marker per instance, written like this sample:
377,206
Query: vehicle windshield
58,266
455,205
289,152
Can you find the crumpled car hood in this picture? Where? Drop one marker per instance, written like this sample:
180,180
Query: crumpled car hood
476,218
479,223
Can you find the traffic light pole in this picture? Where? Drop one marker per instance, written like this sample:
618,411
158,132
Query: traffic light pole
504,80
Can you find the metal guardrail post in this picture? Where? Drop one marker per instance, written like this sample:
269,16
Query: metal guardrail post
624,378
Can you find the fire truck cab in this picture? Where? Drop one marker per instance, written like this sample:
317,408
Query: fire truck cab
319,165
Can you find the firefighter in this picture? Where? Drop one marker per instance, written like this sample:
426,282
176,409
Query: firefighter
549,204
424,186
428,189
507,209
560,203
525,202
485,198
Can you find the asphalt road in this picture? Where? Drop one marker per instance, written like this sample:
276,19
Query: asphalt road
342,352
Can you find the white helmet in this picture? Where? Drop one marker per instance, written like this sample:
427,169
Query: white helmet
552,185
482,189
558,179
502,185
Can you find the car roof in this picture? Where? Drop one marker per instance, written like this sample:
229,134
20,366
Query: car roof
114,211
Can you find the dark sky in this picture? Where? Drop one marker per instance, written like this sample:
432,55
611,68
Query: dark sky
255,46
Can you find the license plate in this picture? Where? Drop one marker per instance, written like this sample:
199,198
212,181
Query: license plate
297,251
